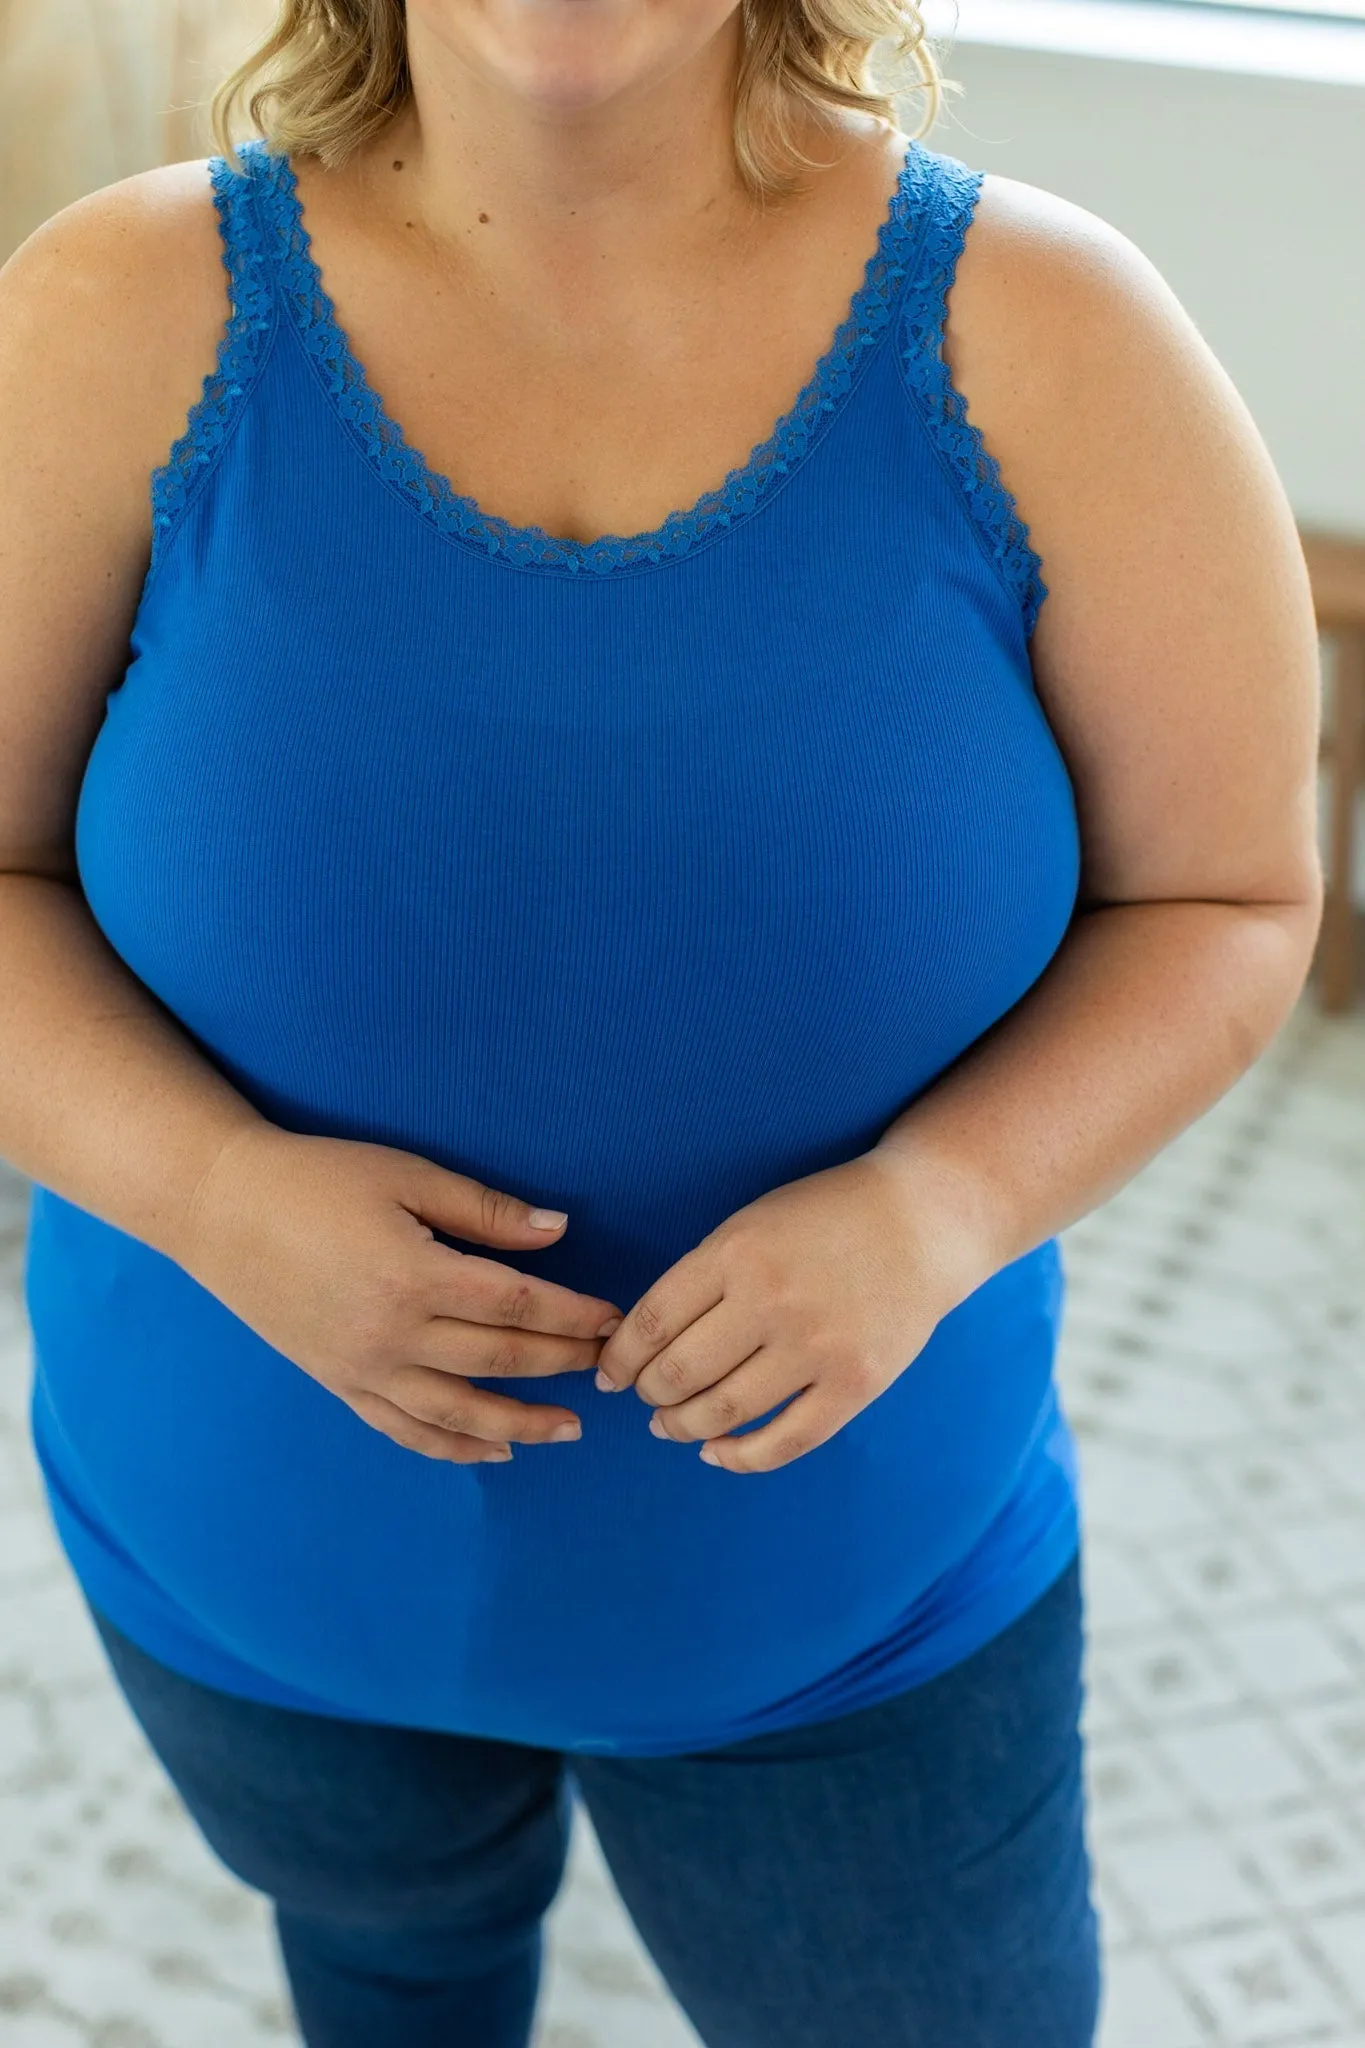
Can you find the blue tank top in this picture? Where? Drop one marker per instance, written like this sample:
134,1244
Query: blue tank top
636,877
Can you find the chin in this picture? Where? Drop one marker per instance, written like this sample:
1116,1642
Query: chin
570,84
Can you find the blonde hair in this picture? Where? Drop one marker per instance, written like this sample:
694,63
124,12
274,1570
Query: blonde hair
331,73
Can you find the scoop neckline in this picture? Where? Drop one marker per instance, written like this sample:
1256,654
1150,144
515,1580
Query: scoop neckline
744,490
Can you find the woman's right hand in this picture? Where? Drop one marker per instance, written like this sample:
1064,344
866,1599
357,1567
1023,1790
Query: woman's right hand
324,1247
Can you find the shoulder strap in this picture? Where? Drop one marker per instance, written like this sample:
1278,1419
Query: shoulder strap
241,347
950,191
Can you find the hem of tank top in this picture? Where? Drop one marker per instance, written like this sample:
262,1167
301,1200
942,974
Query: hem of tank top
969,1634
858,327
987,503
244,347
202,1660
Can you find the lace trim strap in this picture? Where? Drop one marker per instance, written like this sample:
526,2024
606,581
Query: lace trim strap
240,351
951,205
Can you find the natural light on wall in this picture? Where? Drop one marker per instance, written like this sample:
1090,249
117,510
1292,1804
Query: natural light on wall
1322,40
1353,10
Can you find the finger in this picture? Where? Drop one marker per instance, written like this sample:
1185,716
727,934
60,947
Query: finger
425,1437
467,1208
810,1420
450,1403
679,1297
478,1351
754,1388
472,1288
698,1357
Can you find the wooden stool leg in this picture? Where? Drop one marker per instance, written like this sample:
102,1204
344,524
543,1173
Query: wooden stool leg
1338,944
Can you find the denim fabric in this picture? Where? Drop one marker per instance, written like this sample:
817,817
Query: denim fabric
912,1875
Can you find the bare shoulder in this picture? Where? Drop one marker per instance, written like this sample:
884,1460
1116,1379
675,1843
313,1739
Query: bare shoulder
154,213
110,314
1056,318
109,318
151,233
1115,424
1175,652
1030,240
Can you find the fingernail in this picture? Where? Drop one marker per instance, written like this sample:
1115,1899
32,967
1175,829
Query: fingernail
547,1219
612,1323
565,1433
656,1426
495,1457
604,1385
709,1454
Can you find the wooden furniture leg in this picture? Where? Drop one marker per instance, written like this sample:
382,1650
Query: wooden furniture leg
1336,571
1339,943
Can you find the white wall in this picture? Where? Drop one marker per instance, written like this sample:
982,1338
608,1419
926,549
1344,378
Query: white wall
1248,193
95,90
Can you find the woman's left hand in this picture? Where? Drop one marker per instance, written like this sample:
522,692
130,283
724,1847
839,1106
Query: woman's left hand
824,1289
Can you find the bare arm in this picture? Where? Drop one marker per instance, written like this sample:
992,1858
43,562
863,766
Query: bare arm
1176,657
103,1097
109,318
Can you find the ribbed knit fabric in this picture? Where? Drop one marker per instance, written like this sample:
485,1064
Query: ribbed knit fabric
636,878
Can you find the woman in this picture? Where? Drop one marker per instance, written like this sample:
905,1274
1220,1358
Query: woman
578,910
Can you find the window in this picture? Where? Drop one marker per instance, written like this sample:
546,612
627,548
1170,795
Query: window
1331,10
1322,40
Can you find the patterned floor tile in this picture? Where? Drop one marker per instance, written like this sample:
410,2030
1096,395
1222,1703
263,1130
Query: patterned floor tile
1255,1243
1334,1735
1141,1493
1314,1399
1342,1458
1169,1674
1104,1712
1308,1860
1159,1400
1145,2007
1121,1591
1326,1557
1235,1764
1132,1792
1218,1572
1121,1926
1341,1939
1261,1986
1348,1618
1287,1656
1189,1882
39,2029
1288,1482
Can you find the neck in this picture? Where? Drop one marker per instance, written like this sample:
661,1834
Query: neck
484,168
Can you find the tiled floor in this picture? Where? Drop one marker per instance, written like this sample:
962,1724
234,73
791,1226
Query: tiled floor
1214,1366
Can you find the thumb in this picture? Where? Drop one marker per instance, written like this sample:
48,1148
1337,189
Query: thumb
467,1208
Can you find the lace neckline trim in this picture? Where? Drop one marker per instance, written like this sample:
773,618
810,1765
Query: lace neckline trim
744,490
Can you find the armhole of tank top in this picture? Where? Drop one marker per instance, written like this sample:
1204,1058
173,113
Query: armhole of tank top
241,351
991,507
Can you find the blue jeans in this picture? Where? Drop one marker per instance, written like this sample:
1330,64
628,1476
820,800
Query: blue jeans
913,1875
